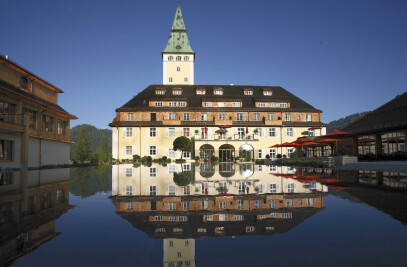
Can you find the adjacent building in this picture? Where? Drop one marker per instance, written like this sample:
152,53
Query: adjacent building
382,133
34,129
225,121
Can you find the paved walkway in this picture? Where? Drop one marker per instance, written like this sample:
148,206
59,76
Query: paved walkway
394,166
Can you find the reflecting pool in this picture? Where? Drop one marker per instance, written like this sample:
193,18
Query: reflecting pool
202,215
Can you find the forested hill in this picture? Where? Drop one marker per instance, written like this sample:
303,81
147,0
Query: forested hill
95,135
343,122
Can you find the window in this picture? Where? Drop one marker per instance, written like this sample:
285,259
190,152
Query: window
153,132
153,190
240,116
248,92
23,83
204,117
171,190
32,116
171,155
205,205
153,116
289,202
285,215
182,218
236,104
273,188
172,132
290,188
129,116
170,58
272,203
177,92
160,91
270,117
267,93
186,58
182,104
185,132
201,230
185,79
186,205
287,117
272,132
160,230
222,104
273,105
178,69
240,204
172,104
257,116
152,172
218,92
172,206
186,189
186,243
186,155
222,205
128,190
208,217
158,218
283,105
171,116
274,215
47,123
129,172
222,116
308,117
263,216
241,132
129,150
129,132
61,127
260,156
311,133
222,217
158,104
258,204
200,92
6,150
207,104
273,154
298,117
185,117
310,202
261,105
290,132
260,132
238,217
152,150
178,58
170,79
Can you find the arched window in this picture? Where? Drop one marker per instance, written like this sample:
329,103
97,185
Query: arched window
178,58
186,58
170,58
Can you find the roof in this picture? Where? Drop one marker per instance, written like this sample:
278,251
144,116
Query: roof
230,92
31,75
34,98
178,40
390,116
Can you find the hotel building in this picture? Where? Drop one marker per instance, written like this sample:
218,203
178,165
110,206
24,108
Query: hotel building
225,121
34,129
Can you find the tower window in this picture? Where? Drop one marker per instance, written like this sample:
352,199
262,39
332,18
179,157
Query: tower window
178,69
170,79
186,80
178,58
23,83
186,58
170,58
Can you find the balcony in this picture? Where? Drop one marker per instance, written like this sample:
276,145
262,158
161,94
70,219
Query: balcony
225,138
11,122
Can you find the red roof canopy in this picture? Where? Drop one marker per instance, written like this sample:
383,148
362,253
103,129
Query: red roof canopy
224,126
340,133
329,140
314,128
301,140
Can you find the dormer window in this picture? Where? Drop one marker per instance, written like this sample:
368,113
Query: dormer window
177,91
23,83
272,105
207,104
160,91
248,91
283,105
267,92
201,91
218,91
261,105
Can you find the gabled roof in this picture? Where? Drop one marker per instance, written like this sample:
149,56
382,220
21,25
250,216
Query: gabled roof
230,92
390,116
178,40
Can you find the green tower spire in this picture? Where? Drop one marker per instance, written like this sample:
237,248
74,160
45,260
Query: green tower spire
178,41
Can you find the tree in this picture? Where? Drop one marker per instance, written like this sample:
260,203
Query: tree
103,150
183,178
82,150
183,144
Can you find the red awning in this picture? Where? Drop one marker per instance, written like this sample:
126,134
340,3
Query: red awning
338,133
224,126
301,140
312,144
329,140
314,128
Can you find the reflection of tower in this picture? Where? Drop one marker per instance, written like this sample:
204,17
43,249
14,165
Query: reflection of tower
178,252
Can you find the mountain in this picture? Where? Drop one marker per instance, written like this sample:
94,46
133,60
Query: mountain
95,135
343,122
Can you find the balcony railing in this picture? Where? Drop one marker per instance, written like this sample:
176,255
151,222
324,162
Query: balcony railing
12,118
219,137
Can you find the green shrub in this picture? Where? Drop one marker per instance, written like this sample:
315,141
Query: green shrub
136,157
279,156
197,158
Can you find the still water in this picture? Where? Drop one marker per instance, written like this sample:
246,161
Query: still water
188,215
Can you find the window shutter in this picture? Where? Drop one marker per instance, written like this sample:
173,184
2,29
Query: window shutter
123,132
147,151
124,190
156,151
209,133
293,132
133,150
148,132
167,132
148,190
124,150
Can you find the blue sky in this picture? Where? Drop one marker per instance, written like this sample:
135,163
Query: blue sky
340,56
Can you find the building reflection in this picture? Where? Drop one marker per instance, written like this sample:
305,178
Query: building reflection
182,203
30,202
